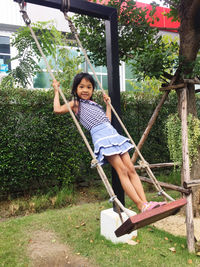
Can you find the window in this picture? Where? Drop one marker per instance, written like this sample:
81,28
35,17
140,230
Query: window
102,76
4,54
43,78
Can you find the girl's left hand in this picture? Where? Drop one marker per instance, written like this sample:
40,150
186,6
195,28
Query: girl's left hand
56,85
106,98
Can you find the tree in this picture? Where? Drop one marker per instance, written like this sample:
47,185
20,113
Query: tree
53,44
137,40
188,11
148,53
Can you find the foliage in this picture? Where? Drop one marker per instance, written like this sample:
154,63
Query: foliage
193,136
174,137
180,11
148,85
93,36
174,5
40,150
137,40
139,107
53,44
162,57
65,67
37,146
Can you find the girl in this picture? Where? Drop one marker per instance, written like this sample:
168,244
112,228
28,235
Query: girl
109,146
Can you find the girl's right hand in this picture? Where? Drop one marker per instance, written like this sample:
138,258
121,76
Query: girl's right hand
106,98
56,85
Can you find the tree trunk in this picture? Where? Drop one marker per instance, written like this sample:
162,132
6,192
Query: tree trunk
189,13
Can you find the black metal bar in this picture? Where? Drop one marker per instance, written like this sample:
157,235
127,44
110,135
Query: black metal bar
114,88
110,15
77,6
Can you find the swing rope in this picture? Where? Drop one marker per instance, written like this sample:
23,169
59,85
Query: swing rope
144,162
65,8
113,197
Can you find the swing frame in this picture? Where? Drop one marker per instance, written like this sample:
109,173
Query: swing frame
163,211
110,16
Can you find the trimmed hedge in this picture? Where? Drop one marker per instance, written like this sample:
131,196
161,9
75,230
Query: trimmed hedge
39,150
137,109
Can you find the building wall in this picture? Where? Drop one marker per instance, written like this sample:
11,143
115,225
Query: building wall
10,13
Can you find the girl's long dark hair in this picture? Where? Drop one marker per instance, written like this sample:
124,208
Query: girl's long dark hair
77,80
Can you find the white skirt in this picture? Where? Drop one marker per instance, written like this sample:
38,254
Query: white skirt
107,142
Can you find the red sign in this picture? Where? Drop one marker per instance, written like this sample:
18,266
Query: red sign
164,23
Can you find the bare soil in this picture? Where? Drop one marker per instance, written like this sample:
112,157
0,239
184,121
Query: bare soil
46,250
176,225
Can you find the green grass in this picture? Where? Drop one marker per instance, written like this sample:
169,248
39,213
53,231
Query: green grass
174,177
152,248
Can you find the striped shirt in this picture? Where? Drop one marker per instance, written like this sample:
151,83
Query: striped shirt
91,114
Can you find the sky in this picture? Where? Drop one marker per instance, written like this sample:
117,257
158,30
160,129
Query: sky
149,2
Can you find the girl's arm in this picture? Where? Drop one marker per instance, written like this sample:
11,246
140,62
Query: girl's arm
57,107
106,99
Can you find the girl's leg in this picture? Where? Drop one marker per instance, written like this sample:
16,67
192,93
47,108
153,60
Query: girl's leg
118,164
133,176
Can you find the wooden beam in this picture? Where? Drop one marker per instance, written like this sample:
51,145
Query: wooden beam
172,87
192,81
157,165
168,186
191,183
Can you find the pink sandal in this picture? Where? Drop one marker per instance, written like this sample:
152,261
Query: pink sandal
160,203
150,205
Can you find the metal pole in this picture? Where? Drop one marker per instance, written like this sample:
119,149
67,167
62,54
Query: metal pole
114,87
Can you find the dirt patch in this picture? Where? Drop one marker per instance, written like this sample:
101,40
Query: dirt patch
45,250
176,225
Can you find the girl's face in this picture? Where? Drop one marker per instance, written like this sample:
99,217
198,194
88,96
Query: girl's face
85,89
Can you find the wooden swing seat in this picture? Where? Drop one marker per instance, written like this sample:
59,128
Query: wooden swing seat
151,216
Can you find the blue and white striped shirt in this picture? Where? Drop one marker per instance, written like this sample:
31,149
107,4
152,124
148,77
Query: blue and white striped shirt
91,114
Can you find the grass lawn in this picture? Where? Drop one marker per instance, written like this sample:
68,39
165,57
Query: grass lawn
79,227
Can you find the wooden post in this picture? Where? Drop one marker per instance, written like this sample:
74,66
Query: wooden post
186,171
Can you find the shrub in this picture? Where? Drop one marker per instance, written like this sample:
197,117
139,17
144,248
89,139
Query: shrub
40,150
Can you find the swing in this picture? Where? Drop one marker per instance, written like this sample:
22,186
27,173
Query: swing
151,216
137,221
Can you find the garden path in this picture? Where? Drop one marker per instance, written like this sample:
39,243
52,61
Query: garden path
46,250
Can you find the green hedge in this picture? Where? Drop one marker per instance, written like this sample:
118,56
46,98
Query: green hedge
137,110
39,150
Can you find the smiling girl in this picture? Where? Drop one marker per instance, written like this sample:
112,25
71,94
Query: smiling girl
109,145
